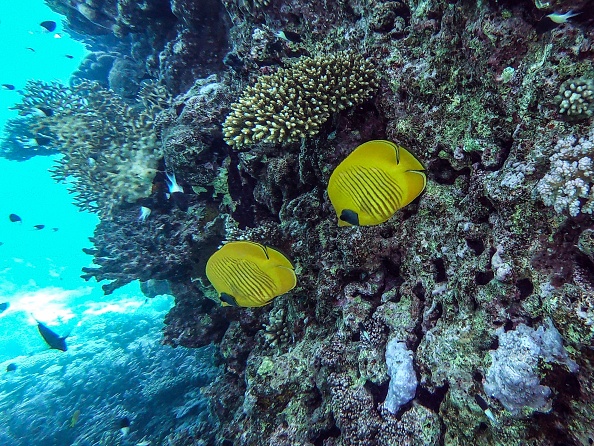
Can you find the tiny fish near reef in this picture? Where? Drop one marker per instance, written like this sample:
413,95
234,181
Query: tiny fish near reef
373,182
53,339
249,274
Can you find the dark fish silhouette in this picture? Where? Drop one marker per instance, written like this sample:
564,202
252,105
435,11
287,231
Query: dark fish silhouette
53,339
124,425
69,56
42,140
485,407
31,49
50,25
39,226
293,37
4,306
15,218
180,200
11,367
55,229
8,86
46,111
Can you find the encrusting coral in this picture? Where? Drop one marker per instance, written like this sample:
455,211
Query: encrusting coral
294,102
109,147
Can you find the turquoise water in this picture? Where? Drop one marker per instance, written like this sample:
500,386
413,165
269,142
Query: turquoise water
40,269
115,365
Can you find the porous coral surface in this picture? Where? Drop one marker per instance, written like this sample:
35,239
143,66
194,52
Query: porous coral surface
470,88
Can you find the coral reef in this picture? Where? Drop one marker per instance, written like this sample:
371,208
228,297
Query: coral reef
567,185
403,379
465,274
115,367
576,98
191,138
512,377
294,102
109,147
170,249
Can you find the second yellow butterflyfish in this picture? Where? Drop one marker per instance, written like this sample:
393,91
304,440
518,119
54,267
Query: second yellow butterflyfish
373,182
249,274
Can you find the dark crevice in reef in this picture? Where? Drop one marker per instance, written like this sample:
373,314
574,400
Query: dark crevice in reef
241,193
477,246
494,345
481,210
432,400
419,291
377,391
501,156
332,432
483,277
442,172
440,270
525,287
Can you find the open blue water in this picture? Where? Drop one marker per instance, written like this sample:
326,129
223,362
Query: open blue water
115,366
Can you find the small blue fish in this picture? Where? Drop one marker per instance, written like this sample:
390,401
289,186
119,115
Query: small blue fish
53,339
49,25
562,18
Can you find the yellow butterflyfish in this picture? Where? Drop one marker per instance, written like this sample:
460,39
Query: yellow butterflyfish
373,182
249,274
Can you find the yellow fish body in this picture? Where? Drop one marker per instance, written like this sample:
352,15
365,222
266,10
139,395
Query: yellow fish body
373,182
249,274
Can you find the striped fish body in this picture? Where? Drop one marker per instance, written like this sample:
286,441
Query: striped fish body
249,274
373,182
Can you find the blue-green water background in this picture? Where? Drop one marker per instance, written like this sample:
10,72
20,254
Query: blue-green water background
40,269
115,365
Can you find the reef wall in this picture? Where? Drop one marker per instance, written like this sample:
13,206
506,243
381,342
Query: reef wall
487,279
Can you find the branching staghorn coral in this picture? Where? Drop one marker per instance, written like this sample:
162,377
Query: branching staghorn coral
109,147
294,102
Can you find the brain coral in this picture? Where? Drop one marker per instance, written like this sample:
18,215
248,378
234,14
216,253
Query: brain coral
294,102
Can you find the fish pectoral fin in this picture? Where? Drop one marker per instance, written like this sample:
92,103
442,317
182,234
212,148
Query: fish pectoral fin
286,278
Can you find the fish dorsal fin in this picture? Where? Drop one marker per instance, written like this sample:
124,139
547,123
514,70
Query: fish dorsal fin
406,165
